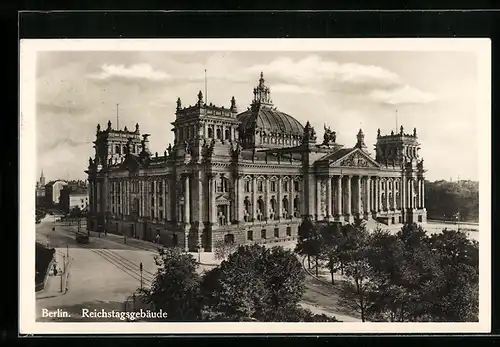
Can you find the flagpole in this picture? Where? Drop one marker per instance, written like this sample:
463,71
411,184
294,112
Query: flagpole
206,92
396,121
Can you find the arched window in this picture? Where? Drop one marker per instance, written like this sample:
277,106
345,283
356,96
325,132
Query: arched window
210,133
117,149
227,135
384,202
219,135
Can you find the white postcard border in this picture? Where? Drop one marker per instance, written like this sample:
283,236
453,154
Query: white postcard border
27,165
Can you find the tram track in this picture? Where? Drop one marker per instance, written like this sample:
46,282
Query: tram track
119,261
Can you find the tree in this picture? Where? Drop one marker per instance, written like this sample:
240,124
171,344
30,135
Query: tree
355,292
444,199
309,242
254,283
223,249
305,234
331,248
175,288
458,287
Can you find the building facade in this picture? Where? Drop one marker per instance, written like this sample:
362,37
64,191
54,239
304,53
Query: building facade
53,191
247,176
72,197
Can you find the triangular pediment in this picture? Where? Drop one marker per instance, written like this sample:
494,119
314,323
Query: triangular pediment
355,158
222,197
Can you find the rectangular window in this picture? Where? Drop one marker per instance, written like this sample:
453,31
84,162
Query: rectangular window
260,186
160,202
160,187
152,214
160,214
250,235
263,234
296,186
273,186
276,232
285,186
152,187
152,201
288,231
247,186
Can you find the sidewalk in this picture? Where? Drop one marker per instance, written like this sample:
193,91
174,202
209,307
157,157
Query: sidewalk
56,285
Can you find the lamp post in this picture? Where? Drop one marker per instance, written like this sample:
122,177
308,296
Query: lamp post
457,217
140,268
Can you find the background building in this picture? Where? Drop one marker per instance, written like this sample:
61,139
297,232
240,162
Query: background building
247,177
53,191
40,186
73,196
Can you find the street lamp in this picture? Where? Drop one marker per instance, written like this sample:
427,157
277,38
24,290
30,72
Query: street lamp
140,268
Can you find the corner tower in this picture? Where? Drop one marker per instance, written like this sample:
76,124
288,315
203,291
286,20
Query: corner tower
111,145
397,149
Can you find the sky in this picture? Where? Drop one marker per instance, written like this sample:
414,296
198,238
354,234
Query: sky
433,91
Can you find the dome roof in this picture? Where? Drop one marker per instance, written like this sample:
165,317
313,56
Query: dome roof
269,119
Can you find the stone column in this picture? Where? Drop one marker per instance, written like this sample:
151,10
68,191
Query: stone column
187,201
387,206
254,198
239,202
412,189
329,197
200,200
212,206
423,193
349,199
318,198
402,193
394,207
155,197
407,195
266,198
291,197
280,196
166,200
368,208
339,211
359,209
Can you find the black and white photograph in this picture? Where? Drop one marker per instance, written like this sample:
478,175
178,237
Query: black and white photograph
257,185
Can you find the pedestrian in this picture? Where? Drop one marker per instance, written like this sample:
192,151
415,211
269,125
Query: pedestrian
55,269
157,238
125,238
